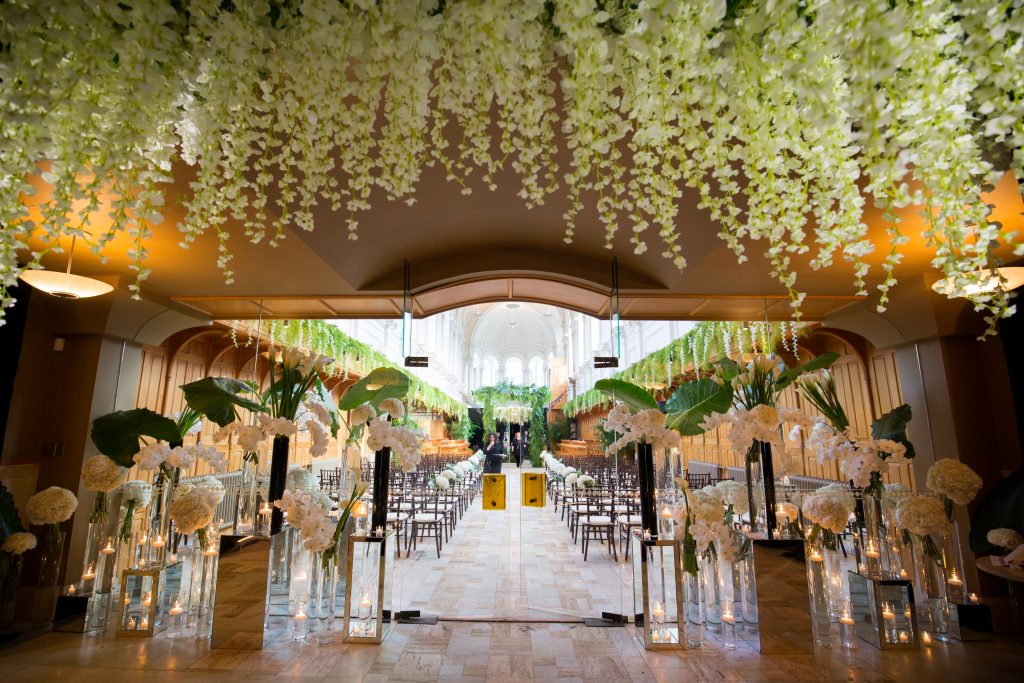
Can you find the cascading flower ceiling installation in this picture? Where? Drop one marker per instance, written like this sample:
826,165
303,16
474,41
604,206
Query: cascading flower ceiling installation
773,111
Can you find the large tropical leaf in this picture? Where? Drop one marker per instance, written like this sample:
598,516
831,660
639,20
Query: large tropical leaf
817,363
633,396
1000,508
9,521
694,401
117,435
381,384
729,368
219,398
893,426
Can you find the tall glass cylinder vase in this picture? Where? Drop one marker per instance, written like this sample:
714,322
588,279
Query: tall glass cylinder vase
322,587
247,510
953,563
900,548
205,556
818,587
875,549
156,536
711,586
730,610
757,483
301,568
100,558
11,578
748,585
930,585
694,610
51,552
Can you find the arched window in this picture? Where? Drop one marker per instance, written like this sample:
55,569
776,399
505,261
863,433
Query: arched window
514,370
536,371
490,373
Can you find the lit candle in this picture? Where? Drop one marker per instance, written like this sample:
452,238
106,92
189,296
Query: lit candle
366,602
300,615
973,598
211,551
658,613
71,589
176,608
144,626
145,538
148,599
656,635
887,613
926,638
108,549
906,612
647,534
131,624
872,551
954,580
265,510
816,556
158,542
89,574
379,531
904,638
666,513
356,631
781,514
846,620
127,598
172,558
903,573
862,568
728,617
359,509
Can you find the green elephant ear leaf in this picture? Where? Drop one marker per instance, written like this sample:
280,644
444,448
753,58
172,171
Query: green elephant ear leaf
117,435
694,401
633,396
9,521
1000,508
729,368
817,363
381,384
893,426
219,398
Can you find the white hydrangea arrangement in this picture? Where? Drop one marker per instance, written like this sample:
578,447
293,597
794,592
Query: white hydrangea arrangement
102,474
300,478
192,508
954,481
829,509
585,481
50,507
440,482
734,496
1007,539
922,516
19,543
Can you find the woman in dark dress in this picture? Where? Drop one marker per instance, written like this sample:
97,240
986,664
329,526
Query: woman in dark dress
492,455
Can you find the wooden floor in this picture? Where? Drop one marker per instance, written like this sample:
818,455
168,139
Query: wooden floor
485,572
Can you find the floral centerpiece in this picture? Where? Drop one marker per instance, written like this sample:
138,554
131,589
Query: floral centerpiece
135,495
50,508
103,475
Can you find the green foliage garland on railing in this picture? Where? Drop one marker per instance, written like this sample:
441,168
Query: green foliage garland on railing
706,342
352,356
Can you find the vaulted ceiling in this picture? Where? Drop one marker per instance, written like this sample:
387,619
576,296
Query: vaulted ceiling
488,247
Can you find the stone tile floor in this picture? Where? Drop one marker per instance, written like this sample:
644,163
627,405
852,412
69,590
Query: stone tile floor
485,571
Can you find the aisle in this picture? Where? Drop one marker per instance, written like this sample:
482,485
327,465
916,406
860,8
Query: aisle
516,564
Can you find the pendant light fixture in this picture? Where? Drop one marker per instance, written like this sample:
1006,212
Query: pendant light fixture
65,285
988,281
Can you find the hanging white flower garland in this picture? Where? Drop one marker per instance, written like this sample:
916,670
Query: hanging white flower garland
771,112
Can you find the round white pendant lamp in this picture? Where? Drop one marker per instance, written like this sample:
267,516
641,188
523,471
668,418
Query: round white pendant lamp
65,285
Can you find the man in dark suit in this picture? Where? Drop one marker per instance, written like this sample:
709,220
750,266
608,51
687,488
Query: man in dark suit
526,443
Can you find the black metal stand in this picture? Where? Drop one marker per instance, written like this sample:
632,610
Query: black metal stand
381,471
768,477
645,480
278,479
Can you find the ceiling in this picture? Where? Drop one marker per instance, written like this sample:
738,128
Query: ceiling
488,247
513,329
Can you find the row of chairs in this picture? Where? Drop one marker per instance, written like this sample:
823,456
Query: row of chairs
418,512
